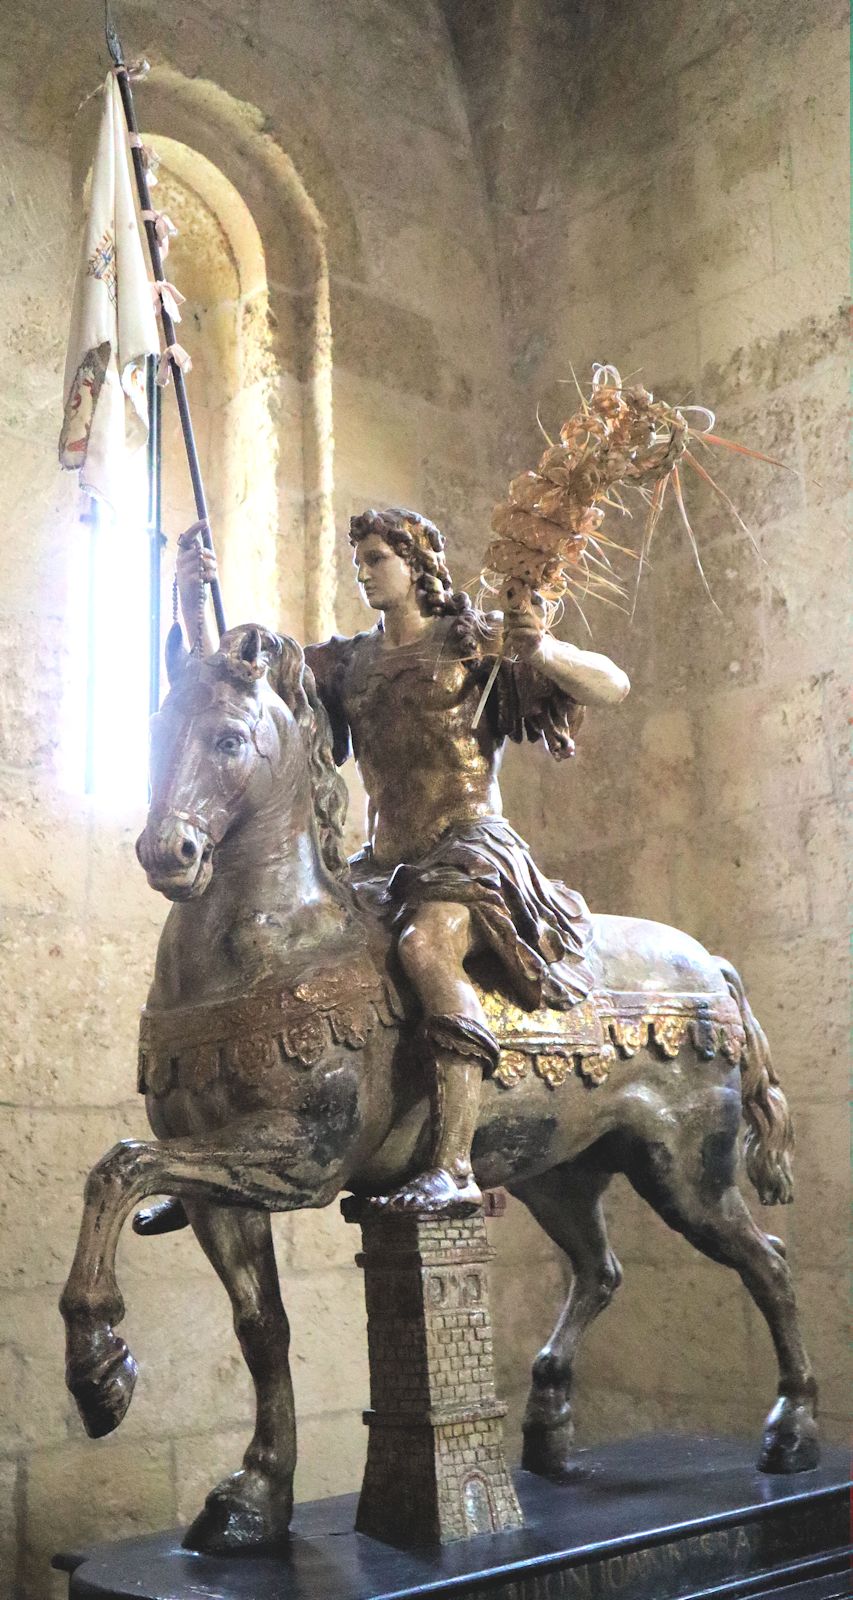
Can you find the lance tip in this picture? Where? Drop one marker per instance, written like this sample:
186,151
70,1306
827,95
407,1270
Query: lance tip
113,41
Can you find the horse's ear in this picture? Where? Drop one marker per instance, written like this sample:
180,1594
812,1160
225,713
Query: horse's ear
177,654
251,654
250,651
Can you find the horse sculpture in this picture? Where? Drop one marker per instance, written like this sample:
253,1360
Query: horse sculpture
277,1060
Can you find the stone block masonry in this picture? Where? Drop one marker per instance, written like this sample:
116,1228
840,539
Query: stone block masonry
682,221
549,225
435,1463
407,237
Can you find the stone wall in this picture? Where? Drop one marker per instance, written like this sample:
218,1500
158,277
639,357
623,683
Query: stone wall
665,184
671,205
362,98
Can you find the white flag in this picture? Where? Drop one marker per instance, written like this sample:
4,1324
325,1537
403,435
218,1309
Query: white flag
113,325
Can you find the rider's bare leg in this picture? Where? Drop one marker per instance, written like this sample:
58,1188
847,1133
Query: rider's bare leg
432,949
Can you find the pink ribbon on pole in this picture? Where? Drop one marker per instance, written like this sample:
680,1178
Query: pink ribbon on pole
166,295
181,358
164,228
150,158
133,69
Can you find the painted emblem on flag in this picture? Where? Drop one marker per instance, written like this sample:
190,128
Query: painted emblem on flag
80,405
113,326
102,264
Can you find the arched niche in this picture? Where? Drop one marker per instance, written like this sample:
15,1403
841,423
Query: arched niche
238,391
252,261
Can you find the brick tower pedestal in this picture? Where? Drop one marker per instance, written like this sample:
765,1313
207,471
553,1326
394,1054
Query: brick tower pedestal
435,1464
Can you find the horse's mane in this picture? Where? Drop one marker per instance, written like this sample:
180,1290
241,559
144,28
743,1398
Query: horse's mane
244,654
293,680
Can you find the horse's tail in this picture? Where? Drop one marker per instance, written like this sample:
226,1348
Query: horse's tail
769,1138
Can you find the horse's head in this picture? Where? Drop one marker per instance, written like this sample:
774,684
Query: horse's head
217,746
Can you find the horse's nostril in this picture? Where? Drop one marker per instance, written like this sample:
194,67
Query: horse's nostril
189,851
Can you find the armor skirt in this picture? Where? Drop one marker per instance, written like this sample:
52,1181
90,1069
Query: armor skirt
540,930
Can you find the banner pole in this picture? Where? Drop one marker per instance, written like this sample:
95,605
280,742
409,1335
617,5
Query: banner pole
155,535
123,80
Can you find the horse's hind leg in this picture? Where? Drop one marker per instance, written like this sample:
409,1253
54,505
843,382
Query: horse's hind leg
567,1204
721,1226
251,1509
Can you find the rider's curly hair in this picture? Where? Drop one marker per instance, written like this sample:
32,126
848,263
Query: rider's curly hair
421,545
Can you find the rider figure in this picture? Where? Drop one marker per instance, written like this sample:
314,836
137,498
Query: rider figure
440,864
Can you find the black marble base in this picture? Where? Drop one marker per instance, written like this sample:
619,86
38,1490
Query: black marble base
659,1518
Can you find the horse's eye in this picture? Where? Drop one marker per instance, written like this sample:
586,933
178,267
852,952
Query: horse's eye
230,744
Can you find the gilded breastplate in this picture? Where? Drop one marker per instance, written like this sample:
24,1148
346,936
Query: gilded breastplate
410,710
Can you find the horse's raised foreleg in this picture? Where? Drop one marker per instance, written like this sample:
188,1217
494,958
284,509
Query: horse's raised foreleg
250,1510
721,1226
567,1203
257,1161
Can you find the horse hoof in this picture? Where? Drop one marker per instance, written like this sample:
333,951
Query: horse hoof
104,1394
548,1452
791,1442
244,1515
164,1216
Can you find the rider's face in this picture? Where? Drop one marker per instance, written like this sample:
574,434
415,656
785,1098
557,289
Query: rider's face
386,579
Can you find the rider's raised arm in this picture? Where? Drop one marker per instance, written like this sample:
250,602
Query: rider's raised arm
544,687
193,566
591,678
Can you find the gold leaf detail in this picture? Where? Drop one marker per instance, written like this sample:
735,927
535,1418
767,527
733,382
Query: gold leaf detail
669,1034
629,1037
512,1067
305,1038
351,1024
595,1067
554,1069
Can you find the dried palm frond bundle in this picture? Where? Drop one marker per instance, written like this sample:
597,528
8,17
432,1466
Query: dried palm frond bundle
549,534
550,544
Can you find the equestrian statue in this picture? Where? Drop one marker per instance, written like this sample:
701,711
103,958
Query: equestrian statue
428,1020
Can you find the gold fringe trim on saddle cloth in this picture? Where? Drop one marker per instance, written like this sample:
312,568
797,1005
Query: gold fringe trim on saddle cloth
246,1038
592,1036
